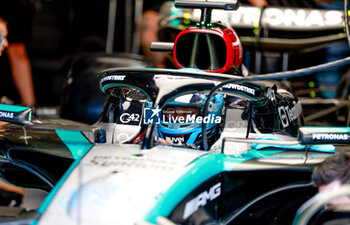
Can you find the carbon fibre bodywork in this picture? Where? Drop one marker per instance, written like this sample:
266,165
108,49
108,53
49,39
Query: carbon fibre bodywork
37,153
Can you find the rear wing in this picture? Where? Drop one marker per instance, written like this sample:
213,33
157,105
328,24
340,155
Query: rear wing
283,19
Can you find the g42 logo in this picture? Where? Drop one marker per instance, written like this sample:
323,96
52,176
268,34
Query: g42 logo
127,117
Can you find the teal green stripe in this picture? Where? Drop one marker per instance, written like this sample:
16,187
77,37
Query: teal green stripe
30,117
75,141
259,154
12,108
34,222
198,172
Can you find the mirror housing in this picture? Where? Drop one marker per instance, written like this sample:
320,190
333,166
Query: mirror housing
212,50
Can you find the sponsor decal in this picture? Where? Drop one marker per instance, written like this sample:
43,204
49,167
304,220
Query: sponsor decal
288,115
127,117
333,137
168,77
201,200
191,119
175,139
138,139
113,77
232,125
151,115
242,88
130,162
8,115
284,18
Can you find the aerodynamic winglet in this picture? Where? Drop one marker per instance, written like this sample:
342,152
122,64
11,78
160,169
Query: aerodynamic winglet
15,114
324,135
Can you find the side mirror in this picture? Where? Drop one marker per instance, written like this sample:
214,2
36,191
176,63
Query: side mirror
211,50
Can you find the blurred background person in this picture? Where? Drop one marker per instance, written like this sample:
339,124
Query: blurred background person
331,174
258,3
149,28
9,195
17,59
3,29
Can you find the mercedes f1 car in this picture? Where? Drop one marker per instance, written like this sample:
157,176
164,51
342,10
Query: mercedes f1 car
173,146
122,174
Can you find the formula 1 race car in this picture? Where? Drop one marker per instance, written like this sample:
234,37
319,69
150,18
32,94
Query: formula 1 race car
122,174
173,146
